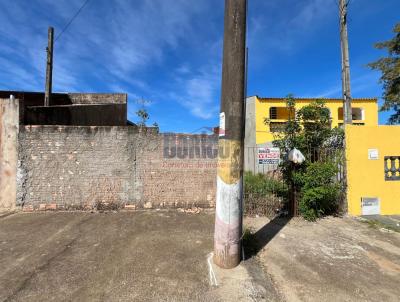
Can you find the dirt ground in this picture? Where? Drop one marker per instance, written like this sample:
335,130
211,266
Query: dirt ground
165,256
125,256
141,256
334,259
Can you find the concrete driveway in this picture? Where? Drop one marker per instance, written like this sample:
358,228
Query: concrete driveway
333,259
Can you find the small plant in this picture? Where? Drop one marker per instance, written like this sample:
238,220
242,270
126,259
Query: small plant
102,206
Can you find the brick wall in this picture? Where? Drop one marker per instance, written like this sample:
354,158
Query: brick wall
178,170
75,167
81,167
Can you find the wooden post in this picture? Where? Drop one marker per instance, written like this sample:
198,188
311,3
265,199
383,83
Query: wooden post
49,67
228,220
347,113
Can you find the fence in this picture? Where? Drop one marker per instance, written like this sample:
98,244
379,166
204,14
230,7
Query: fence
265,194
265,191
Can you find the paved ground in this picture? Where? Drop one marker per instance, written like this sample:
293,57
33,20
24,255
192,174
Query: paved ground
334,259
140,256
391,222
104,257
162,256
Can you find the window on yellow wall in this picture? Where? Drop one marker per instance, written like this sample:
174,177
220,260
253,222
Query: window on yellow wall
273,113
280,113
357,114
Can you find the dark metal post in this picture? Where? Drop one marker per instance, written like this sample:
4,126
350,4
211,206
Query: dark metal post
49,67
228,221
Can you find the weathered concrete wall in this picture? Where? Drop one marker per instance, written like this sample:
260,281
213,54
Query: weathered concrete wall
9,124
37,98
30,99
82,167
98,98
77,115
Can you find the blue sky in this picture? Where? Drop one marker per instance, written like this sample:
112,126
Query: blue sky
169,51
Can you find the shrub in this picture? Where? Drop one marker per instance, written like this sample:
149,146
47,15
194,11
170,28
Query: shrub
263,184
264,195
320,192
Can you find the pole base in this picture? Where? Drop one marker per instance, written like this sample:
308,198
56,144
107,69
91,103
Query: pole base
227,260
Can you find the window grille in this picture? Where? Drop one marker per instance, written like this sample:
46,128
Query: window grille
273,113
392,167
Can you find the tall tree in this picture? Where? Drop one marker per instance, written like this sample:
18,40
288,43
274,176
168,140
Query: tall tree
390,68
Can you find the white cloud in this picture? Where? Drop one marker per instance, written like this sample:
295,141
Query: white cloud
198,92
120,37
114,44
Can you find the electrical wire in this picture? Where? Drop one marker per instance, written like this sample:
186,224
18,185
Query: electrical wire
71,20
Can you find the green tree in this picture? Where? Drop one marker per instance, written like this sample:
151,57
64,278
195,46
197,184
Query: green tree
309,130
143,117
390,68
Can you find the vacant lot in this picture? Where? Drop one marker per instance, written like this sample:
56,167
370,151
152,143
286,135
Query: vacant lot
139,256
162,256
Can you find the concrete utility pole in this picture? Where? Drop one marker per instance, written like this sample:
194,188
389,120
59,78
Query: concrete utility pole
228,220
49,67
344,43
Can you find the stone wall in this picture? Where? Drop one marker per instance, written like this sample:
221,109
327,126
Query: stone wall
76,167
9,124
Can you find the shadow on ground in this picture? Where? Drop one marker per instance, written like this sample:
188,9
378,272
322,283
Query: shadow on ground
253,243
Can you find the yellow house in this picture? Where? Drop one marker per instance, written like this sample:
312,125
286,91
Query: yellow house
365,112
373,170
372,151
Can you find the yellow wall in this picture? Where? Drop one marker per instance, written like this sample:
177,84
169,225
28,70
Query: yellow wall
262,107
366,178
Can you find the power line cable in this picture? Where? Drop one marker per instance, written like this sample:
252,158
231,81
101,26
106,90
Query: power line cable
71,20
